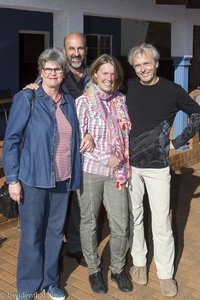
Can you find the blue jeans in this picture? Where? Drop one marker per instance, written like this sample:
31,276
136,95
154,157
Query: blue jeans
42,217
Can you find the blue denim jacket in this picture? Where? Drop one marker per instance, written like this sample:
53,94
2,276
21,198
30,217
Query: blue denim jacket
35,164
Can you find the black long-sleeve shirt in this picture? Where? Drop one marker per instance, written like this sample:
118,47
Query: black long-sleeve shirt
152,109
73,86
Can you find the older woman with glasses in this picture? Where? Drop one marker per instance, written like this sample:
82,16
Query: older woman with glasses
42,173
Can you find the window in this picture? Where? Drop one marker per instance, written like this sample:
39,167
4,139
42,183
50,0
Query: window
31,44
98,44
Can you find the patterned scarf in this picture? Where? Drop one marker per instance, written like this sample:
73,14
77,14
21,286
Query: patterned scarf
118,124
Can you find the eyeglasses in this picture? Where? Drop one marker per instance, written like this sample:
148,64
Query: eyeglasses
48,71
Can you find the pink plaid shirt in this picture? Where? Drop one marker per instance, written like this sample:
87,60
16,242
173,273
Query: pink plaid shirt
91,121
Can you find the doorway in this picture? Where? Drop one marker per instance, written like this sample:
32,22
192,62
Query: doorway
31,44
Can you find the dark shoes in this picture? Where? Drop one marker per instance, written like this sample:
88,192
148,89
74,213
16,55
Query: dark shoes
78,256
97,283
123,282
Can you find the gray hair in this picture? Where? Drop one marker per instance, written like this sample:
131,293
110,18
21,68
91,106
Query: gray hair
52,54
142,49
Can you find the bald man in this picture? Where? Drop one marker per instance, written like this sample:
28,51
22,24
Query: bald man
75,82
75,51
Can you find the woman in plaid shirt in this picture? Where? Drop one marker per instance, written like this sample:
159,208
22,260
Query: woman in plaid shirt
103,114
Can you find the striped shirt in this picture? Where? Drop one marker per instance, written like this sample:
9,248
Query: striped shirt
62,159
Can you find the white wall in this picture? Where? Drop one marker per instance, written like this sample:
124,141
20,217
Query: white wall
68,16
132,33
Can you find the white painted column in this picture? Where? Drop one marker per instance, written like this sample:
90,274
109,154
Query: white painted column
65,22
60,28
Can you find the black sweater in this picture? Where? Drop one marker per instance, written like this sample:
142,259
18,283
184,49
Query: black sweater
152,110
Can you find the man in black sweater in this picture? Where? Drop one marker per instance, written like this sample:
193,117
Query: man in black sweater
75,82
77,76
152,104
